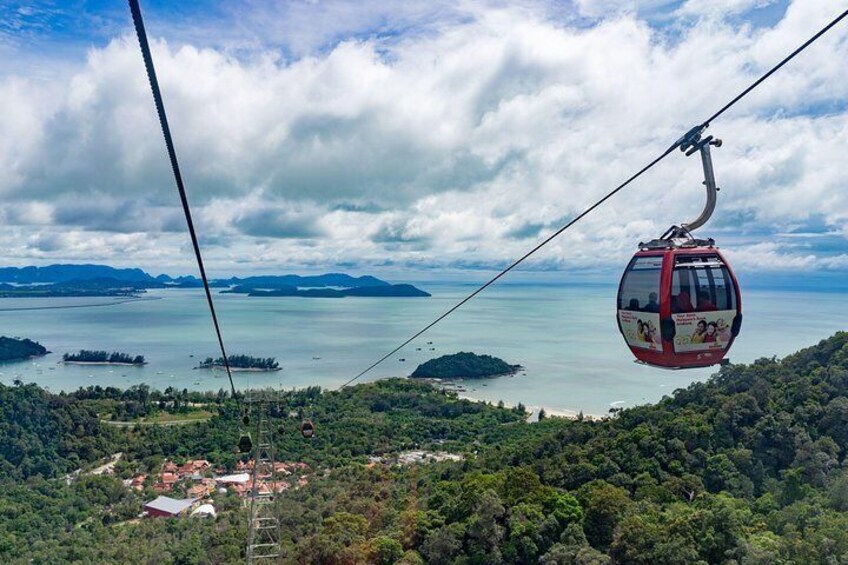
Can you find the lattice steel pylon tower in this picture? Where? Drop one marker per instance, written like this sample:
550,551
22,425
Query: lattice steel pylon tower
263,538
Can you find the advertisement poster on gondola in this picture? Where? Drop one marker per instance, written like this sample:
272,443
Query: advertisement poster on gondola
702,331
641,329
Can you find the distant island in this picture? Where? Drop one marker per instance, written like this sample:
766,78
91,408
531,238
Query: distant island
242,363
333,280
393,290
464,365
330,285
61,281
86,357
13,349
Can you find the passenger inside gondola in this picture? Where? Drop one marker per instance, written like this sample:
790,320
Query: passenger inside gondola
705,303
681,303
634,305
652,305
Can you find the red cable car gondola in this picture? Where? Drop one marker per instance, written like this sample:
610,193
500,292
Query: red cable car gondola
307,429
679,304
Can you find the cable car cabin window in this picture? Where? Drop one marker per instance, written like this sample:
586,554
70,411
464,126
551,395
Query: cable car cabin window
725,292
640,286
703,303
701,284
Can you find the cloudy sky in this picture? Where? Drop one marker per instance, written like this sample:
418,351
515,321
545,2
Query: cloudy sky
431,137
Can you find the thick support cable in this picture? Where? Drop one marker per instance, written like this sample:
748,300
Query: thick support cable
693,132
175,166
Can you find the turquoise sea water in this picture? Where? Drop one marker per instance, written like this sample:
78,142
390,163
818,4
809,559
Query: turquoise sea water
565,337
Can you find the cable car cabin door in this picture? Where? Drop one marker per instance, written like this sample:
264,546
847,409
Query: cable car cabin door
704,306
639,306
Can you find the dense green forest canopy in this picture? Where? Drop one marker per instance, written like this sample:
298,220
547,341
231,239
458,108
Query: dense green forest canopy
14,349
746,468
87,356
464,365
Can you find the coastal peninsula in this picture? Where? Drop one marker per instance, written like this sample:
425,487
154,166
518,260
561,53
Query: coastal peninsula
103,287
14,349
464,365
86,357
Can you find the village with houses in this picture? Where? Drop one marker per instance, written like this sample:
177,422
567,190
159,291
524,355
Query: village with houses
190,488
197,481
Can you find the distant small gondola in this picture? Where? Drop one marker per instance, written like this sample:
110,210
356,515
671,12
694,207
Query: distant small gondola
307,429
245,443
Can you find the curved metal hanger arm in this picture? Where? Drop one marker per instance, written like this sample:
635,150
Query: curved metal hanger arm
690,146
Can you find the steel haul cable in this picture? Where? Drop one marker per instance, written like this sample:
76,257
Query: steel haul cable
175,166
613,192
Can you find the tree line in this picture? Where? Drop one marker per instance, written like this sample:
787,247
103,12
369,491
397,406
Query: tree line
242,362
88,356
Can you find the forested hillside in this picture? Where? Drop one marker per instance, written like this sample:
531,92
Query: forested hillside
47,435
746,468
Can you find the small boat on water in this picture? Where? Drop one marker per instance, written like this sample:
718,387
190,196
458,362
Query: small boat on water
402,360
316,358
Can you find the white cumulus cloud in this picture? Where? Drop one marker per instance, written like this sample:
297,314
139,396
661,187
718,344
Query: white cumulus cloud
457,143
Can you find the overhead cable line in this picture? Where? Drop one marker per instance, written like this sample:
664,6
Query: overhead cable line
175,166
776,68
692,134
